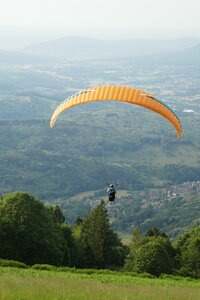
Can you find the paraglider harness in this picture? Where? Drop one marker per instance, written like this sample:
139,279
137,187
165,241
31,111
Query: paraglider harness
111,193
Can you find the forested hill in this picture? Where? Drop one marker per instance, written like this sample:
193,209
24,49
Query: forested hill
84,151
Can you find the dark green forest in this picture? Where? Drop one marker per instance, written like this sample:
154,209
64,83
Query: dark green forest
33,234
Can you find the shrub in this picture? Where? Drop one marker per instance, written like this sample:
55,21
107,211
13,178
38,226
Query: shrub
187,273
174,277
152,258
145,275
77,271
44,267
12,263
133,274
66,269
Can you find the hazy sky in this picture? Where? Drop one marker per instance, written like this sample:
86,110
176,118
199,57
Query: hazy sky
104,17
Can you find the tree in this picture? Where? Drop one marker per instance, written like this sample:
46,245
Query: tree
152,258
29,234
153,254
78,221
188,253
135,243
82,252
57,214
154,231
69,258
102,244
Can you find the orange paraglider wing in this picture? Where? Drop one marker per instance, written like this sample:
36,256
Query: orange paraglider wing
119,93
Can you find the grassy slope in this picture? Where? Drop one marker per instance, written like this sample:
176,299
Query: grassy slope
34,284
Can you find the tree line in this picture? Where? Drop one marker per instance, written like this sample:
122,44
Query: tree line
33,233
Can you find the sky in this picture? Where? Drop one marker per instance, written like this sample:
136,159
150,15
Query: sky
48,19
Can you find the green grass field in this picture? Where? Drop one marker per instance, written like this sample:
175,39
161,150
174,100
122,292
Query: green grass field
25,284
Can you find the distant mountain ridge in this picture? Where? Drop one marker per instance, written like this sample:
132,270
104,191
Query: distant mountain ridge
177,51
74,46
190,56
